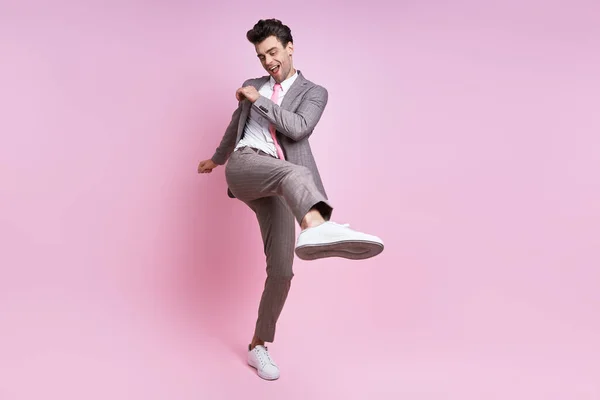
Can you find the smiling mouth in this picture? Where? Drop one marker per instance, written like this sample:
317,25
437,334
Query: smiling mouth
274,69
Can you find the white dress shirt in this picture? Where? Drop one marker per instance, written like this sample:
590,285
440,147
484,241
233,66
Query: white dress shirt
256,131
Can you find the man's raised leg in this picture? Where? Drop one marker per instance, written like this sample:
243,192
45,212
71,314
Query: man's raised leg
251,176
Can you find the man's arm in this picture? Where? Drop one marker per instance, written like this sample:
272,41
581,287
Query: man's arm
295,125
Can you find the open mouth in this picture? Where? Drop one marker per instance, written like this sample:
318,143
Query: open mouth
274,69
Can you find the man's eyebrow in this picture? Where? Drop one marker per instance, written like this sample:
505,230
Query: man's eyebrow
268,51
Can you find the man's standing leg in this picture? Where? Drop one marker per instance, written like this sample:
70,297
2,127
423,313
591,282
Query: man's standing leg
277,227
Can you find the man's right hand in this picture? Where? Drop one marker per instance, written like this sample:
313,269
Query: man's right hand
206,166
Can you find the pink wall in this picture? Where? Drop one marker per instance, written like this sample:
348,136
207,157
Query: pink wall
468,138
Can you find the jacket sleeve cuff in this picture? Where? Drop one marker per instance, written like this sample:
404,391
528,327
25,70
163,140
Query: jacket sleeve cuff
218,158
264,107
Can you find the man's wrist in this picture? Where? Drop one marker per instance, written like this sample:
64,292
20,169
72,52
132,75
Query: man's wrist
216,158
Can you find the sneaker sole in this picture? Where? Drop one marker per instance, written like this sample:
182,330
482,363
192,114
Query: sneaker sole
263,375
352,250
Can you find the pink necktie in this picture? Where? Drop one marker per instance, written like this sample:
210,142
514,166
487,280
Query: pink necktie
275,99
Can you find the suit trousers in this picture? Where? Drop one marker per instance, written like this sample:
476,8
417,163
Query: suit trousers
280,193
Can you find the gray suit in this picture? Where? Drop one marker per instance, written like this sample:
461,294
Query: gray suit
295,120
278,191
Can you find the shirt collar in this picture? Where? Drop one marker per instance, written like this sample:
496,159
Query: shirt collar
285,85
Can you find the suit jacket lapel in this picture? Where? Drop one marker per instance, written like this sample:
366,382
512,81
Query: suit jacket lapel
258,83
246,105
243,117
294,91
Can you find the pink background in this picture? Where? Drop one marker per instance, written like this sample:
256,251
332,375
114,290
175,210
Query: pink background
468,138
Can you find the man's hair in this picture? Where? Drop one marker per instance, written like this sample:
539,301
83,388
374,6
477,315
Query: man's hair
270,27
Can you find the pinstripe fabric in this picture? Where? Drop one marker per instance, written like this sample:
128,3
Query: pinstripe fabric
278,233
280,193
251,176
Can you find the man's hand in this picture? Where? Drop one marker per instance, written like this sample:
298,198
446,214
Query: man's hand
247,92
206,166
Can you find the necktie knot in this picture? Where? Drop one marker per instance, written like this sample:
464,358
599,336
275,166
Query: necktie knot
275,96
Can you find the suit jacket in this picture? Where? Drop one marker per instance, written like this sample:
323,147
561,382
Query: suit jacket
294,120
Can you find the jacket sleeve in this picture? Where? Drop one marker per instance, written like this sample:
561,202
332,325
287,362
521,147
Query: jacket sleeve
299,124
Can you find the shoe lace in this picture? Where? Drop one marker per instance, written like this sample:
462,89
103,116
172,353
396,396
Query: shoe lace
268,356
265,356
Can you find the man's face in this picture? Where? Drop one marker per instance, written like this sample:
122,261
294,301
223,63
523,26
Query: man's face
276,59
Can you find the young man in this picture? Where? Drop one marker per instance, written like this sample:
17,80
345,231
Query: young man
270,167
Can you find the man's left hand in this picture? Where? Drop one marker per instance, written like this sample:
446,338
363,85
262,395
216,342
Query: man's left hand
247,92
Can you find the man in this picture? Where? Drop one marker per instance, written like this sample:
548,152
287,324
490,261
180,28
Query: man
270,167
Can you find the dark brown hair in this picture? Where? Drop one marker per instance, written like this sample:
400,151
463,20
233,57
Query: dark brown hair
270,27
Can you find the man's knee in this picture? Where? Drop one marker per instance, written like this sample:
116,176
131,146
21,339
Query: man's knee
299,172
280,265
283,277
280,268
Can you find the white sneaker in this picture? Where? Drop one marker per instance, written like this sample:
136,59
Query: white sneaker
334,240
260,359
